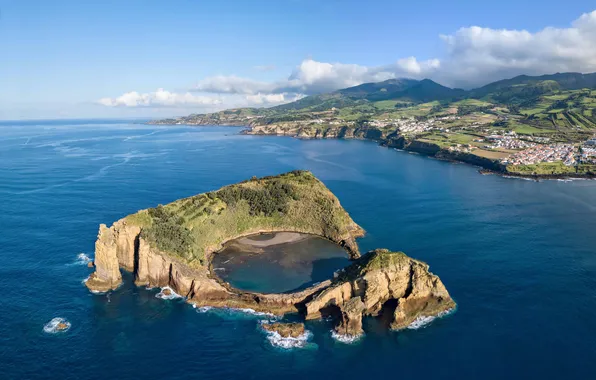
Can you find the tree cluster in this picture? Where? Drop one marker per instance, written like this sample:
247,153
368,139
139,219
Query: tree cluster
167,232
273,197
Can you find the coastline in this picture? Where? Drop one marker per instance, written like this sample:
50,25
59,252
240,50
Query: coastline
486,166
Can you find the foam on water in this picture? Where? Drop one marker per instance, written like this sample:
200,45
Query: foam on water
52,326
522,178
202,309
424,321
235,311
347,339
288,343
82,259
171,296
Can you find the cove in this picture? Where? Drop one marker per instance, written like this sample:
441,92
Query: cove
278,262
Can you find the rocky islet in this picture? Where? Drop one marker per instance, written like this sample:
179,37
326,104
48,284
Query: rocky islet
381,281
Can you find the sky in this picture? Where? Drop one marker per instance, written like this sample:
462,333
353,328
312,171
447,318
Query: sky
158,58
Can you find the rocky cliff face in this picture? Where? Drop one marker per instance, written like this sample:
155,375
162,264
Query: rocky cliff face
367,287
122,246
351,317
115,247
383,280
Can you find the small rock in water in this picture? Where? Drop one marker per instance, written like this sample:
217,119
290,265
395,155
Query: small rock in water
90,264
286,330
61,326
56,325
166,292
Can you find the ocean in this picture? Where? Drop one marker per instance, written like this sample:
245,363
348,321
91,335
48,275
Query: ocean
518,256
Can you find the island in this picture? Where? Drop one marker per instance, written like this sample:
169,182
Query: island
527,126
173,245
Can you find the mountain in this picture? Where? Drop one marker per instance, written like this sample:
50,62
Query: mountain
405,90
423,91
378,89
523,87
562,102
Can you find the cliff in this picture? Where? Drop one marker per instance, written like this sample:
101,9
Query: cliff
382,281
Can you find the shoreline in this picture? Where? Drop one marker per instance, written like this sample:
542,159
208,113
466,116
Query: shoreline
282,237
443,155
486,166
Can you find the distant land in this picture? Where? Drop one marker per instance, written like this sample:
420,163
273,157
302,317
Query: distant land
531,126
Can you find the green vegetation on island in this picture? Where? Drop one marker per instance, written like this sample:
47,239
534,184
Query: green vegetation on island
194,227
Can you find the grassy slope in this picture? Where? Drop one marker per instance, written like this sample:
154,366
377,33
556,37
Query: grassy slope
215,217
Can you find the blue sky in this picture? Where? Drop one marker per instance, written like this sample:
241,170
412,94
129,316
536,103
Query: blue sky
131,58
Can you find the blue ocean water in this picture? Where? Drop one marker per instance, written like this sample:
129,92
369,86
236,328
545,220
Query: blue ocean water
280,268
518,256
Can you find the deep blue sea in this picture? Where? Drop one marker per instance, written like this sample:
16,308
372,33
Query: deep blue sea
518,256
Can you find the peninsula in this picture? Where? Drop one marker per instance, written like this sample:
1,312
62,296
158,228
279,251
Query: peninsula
172,245
542,126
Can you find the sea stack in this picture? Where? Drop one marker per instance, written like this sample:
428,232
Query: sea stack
107,269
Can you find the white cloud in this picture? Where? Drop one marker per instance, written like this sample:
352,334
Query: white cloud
478,55
271,99
473,57
159,98
311,77
232,84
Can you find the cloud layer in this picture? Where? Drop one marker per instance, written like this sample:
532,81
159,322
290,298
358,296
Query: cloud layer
477,55
474,56
159,98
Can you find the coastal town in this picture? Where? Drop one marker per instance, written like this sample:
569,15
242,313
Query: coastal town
478,134
509,147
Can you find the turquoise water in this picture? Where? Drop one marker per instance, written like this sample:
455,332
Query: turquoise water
518,256
279,268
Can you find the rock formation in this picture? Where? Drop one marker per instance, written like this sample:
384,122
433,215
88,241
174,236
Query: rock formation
380,281
378,278
115,247
286,330
351,317
107,269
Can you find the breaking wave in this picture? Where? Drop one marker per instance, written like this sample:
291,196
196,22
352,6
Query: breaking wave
164,296
235,311
347,339
56,325
424,321
288,343
82,259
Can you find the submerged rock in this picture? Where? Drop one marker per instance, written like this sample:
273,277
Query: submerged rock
286,330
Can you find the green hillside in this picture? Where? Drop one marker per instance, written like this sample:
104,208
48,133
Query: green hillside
556,108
